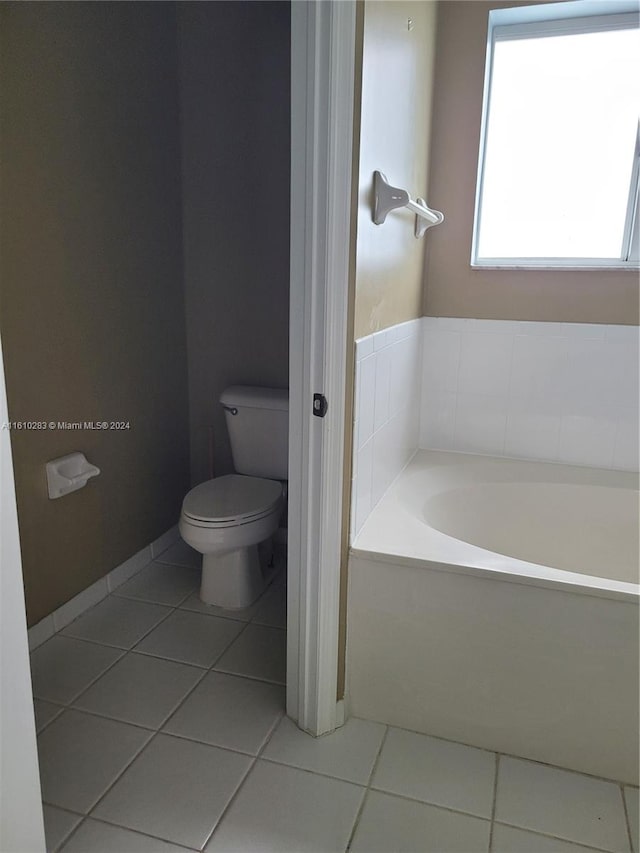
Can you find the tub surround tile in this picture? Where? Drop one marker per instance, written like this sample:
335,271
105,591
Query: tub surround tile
162,583
366,394
363,491
381,393
81,756
560,392
100,837
181,554
63,667
436,771
45,712
176,790
119,622
481,423
631,799
284,810
556,802
533,427
364,347
626,453
140,690
485,363
386,412
259,652
348,753
441,359
230,712
508,839
191,638
58,825
438,418
571,390
390,823
587,440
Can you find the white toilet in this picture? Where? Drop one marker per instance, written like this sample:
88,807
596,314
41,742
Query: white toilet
230,520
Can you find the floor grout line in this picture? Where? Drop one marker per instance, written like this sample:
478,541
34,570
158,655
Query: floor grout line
504,754
134,831
553,837
70,835
228,806
494,800
430,803
627,819
259,756
374,767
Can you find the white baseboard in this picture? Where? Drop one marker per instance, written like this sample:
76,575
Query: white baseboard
66,613
165,541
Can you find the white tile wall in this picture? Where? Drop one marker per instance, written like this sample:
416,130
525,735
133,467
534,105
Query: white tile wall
561,392
387,411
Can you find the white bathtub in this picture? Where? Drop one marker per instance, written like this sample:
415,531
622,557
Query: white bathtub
495,602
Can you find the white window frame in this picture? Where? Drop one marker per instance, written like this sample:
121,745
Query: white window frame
558,18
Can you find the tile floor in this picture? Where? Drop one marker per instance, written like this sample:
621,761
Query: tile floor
162,729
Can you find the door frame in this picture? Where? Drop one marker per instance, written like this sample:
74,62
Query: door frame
323,55
21,818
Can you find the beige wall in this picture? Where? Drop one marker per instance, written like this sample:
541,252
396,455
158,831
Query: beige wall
234,78
92,309
395,131
452,287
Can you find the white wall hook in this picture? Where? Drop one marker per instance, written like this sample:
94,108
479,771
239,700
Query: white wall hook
68,474
387,198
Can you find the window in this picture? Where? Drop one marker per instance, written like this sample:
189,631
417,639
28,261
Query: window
559,162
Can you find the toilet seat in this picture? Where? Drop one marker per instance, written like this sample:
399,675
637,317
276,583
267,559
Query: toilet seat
231,501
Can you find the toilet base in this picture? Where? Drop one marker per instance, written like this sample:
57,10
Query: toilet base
235,579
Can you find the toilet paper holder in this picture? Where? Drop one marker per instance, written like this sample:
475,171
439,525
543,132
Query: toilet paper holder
68,474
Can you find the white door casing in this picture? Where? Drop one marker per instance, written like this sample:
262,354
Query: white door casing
21,824
322,106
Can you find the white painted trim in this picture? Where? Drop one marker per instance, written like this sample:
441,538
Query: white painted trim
323,65
576,16
21,821
66,613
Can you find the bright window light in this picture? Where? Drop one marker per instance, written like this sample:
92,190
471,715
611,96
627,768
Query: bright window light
558,178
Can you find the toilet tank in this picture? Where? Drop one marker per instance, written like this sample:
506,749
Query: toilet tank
258,425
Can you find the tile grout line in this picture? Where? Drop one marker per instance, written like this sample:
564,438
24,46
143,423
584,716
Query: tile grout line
627,819
357,819
155,732
494,802
553,837
232,799
368,789
119,776
430,803
508,755
70,835
128,829
125,651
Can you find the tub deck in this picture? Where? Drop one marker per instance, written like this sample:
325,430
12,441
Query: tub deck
401,526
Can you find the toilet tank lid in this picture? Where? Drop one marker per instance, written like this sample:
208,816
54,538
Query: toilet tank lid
252,397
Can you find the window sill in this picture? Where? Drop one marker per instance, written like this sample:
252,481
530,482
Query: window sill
559,268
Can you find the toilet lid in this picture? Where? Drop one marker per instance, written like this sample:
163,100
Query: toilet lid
232,498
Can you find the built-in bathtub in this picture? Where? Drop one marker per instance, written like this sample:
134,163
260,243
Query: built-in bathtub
495,602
